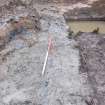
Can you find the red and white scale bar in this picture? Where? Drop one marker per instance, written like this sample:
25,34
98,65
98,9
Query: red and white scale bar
50,45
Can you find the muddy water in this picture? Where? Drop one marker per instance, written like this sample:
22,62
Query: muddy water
87,26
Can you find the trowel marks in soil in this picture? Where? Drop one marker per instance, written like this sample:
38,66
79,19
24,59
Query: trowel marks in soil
92,52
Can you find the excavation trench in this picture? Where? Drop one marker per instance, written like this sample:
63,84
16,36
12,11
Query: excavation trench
89,34
22,82
91,47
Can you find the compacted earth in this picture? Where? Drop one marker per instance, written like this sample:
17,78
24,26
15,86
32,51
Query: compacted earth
74,73
91,47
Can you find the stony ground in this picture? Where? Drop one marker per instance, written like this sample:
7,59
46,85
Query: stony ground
92,49
74,73
21,82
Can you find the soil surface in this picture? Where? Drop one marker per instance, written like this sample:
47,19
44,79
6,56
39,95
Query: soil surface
68,78
21,81
92,49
